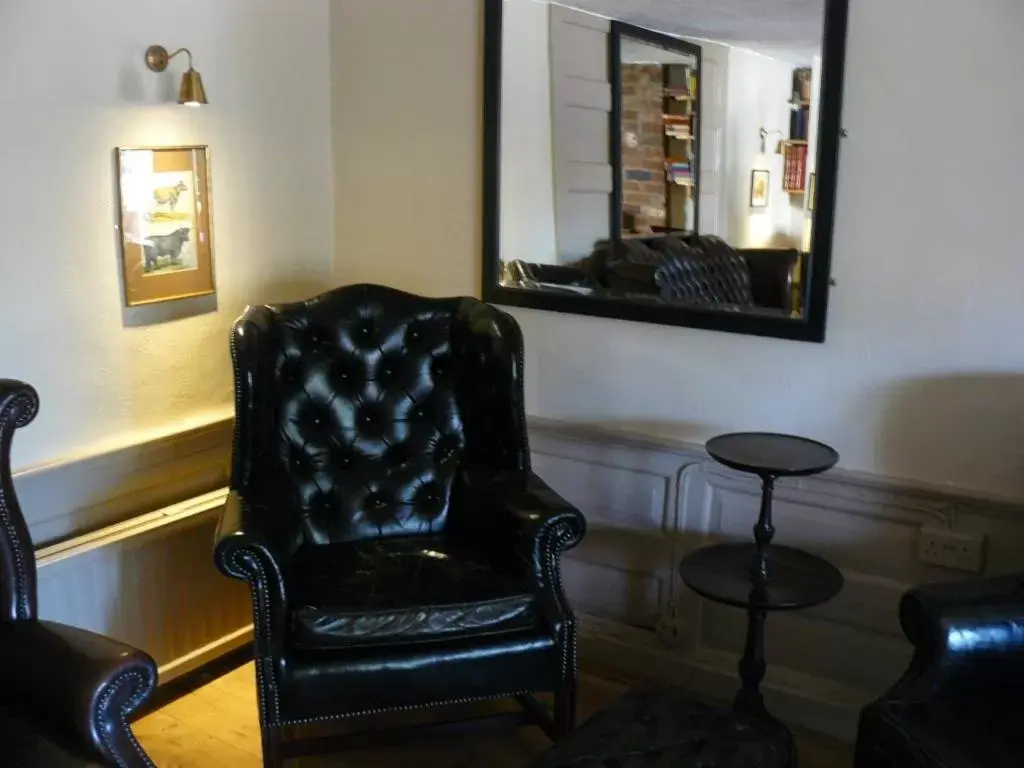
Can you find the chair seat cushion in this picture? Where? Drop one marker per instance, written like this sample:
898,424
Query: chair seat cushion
938,734
402,589
403,676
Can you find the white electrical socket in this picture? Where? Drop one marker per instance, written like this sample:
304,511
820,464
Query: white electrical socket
959,551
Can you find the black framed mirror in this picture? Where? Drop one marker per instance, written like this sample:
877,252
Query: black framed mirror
664,163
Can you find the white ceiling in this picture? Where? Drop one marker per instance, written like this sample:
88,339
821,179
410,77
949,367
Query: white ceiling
637,52
785,29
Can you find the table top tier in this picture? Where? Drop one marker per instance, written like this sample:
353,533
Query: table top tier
723,573
771,454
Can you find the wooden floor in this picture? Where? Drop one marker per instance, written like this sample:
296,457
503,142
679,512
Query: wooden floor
216,726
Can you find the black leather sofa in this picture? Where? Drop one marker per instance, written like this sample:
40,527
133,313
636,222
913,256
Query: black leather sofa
671,267
959,704
400,552
66,694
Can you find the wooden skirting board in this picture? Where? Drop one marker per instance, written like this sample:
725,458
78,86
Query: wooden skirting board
649,501
134,535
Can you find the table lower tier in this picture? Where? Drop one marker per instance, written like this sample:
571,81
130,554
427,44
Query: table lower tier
725,573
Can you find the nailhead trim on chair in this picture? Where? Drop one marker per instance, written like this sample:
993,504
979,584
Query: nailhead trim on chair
266,685
520,361
236,435
233,351
27,405
265,678
142,686
553,575
408,707
261,609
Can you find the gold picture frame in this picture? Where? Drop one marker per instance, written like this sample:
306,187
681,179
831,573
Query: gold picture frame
760,183
811,192
164,223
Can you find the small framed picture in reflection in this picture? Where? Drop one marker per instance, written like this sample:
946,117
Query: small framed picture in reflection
812,188
759,183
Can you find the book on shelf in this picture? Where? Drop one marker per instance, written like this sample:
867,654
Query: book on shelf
798,123
678,171
795,171
685,90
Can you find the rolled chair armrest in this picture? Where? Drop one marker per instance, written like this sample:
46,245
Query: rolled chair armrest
19,404
245,550
19,399
968,636
83,685
528,528
771,275
545,525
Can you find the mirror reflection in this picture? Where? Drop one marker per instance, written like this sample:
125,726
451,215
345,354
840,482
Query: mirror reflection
661,152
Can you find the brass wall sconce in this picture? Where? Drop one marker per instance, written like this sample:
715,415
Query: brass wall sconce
192,93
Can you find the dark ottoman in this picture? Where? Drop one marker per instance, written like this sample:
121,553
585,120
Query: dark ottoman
663,729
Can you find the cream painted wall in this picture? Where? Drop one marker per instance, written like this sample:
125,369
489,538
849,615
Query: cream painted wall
527,179
74,86
758,96
407,130
922,375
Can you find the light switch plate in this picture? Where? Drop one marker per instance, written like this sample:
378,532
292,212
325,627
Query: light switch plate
949,549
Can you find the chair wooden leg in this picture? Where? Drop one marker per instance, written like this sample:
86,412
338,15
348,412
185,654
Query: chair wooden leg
271,747
565,708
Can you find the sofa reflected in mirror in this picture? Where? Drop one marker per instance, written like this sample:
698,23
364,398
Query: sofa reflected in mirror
675,270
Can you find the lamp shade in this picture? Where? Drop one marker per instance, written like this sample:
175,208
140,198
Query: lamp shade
192,93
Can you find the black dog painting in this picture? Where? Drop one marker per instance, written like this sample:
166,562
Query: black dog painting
167,247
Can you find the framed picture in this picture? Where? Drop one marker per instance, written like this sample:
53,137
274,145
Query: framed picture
166,242
812,188
759,183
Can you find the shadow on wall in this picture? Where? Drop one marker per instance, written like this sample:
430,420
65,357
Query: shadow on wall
166,311
963,430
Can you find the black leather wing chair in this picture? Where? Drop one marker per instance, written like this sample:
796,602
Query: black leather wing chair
65,693
399,550
960,704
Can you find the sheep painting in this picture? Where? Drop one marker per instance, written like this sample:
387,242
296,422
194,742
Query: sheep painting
169,195
159,246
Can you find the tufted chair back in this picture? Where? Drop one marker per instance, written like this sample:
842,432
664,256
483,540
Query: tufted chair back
702,270
361,413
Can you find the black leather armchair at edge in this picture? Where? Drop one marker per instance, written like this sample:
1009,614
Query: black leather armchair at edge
65,693
959,704
400,552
